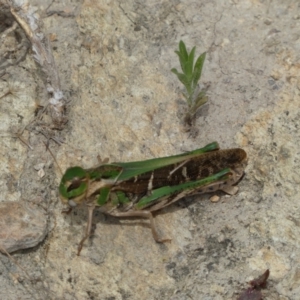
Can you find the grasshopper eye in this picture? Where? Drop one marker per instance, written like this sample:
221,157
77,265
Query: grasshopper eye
74,183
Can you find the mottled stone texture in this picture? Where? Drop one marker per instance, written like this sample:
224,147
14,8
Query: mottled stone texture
114,60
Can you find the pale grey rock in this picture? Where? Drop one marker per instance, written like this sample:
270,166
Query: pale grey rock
22,226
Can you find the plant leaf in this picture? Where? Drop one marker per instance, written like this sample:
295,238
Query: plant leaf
190,64
183,56
182,79
183,51
182,60
200,100
198,69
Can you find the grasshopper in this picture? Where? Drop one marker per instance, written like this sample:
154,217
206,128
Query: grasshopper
137,189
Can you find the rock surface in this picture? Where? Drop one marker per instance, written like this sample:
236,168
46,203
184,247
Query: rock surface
114,60
22,226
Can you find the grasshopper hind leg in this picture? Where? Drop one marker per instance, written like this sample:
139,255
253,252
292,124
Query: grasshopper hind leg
143,214
147,215
88,228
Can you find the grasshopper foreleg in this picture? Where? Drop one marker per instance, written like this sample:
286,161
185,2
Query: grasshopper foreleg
88,228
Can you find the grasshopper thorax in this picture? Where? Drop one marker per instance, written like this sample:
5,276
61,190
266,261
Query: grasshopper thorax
73,186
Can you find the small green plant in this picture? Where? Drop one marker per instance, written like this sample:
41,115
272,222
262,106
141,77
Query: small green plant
189,78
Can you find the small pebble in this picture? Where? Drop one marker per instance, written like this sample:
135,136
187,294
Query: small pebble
214,198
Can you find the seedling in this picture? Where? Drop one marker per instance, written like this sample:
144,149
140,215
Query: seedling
190,76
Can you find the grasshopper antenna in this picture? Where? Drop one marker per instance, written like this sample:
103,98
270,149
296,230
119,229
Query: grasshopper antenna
47,148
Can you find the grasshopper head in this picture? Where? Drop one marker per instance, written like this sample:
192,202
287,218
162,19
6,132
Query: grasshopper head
73,186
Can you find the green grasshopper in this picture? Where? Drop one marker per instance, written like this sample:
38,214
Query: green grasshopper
137,189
